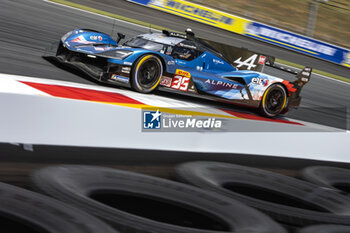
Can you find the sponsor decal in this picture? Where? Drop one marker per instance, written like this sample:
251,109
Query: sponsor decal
249,62
262,60
305,79
216,61
99,48
305,73
165,81
181,62
199,68
221,83
79,39
99,38
260,81
183,73
180,83
188,46
128,63
192,89
126,69
122,79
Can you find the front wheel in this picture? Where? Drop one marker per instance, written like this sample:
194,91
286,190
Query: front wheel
273,101
146,73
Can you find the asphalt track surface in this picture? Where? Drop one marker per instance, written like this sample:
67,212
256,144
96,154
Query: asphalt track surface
29,27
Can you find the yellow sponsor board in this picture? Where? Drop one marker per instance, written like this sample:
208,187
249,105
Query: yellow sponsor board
346,61
202,14
183,73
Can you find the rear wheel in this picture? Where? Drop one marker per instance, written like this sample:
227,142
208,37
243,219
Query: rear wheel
274,101
146,73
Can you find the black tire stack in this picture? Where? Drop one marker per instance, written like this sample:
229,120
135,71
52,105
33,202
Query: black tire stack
336,179
228,198
26,211
291,202
148,204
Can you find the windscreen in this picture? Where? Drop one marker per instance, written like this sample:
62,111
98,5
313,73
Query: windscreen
139,42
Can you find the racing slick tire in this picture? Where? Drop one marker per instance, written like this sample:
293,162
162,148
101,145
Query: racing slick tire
334,178
325,229
273,101
134,202
291,202
26,211
146,73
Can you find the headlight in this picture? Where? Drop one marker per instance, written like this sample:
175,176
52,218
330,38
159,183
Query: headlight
63,38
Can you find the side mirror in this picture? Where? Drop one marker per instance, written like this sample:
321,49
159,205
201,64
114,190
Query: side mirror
120,37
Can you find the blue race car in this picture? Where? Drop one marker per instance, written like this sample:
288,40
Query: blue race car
180,63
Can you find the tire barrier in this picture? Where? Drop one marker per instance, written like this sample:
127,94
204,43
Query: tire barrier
334,178
291,202
25,211
325,229
134,202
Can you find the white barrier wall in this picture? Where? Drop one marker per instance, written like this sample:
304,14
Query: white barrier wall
35,117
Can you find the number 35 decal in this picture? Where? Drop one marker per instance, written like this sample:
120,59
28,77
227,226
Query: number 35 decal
180,83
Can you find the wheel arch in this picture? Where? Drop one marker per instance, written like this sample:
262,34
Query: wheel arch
150,53
285,88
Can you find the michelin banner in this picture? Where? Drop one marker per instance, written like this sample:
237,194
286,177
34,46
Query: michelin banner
296,42
198,13
252,29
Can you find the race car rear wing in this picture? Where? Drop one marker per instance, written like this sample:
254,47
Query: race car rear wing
295,87
303,77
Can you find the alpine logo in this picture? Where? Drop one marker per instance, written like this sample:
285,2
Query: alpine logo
221,83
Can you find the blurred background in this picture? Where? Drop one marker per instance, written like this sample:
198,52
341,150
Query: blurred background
327,20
